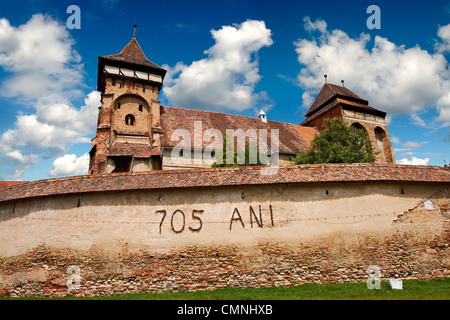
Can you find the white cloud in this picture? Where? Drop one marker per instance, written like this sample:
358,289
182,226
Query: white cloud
414,161
443,107
69,165
226,79
395,140
318,25
52,128
413,145
408,154
44,74
444,34
418,121
39,55
23,161
393,78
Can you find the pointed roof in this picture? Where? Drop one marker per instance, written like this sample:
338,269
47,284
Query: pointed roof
131,57
332,95
132,53
329,92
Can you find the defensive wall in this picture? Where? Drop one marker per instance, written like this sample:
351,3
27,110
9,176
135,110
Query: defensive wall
210,228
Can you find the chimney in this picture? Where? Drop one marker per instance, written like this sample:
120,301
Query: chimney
262,116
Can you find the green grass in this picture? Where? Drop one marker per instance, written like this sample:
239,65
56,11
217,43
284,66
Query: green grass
438,289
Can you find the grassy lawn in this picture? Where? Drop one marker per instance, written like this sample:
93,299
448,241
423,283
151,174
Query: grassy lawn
438,289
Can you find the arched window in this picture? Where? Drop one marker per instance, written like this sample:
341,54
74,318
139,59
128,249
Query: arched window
383,145
129,120
358,125
380,136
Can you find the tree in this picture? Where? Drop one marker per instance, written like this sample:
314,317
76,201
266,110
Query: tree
338,143
228,147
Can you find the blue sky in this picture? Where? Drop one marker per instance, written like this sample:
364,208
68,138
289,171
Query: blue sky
262,54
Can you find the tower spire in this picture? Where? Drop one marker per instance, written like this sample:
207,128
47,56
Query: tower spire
134,32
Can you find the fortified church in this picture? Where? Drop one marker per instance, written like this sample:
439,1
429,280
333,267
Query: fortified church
202,229
134,131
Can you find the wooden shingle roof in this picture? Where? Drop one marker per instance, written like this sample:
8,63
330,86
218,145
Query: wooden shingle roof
331,95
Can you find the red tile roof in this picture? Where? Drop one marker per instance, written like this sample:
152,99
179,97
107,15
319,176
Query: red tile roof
219,177
132,53
292,138
6,184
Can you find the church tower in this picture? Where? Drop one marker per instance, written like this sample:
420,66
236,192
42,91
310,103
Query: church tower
338,101
128,128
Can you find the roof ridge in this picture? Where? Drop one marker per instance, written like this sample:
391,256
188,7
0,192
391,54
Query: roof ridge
228,114
330,85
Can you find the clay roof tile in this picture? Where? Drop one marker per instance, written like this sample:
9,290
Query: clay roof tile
132,53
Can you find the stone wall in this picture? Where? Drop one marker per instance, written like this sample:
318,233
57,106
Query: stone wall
381,142
206,238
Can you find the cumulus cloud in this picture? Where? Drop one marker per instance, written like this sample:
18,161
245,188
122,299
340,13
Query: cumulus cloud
414,161
43,65
44,73
226,78
443,107
52,128
394,78
69,165
444,34
23,161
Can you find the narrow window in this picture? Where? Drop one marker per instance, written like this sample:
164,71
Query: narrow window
140,107
118,105
129,120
